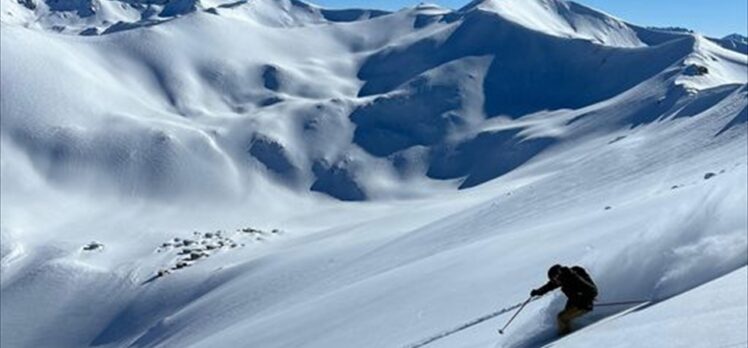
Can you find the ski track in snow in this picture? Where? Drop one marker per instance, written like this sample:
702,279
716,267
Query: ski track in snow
464,326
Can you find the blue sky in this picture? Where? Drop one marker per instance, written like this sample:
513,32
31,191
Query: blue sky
711,17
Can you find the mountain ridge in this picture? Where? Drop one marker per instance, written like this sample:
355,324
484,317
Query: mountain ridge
409,101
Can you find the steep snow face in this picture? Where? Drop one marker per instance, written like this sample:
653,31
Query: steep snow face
358,109
679,321
710,65
711,315
651,212
563,19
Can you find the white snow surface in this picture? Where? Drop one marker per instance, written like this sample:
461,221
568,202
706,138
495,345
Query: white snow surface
722,303
564,19
379,179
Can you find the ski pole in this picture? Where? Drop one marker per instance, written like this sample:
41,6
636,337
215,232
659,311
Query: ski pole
619,303
501,331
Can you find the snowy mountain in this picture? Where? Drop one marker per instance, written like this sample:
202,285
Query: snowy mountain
735,42
562,19
270,173
93,17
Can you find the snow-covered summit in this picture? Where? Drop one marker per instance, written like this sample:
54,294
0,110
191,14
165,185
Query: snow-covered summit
735,42
285,13
563,19
93,17
736,37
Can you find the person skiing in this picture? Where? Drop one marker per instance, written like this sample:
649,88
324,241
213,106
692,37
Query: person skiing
578,287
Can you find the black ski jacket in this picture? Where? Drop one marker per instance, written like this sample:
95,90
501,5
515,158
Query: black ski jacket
576,284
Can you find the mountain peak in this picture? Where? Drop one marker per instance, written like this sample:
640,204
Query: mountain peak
736,37
561,18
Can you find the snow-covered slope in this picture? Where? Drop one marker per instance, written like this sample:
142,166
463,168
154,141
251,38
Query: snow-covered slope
721,303
563,19
735,42
419,103
482,145
94,17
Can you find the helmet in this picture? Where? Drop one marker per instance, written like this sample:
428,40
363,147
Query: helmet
554,271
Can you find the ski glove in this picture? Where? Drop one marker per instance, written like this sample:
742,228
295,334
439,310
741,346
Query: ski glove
534,292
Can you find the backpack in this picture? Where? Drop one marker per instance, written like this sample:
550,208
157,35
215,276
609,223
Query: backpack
582,273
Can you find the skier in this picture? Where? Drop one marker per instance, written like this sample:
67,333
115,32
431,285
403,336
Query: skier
578,287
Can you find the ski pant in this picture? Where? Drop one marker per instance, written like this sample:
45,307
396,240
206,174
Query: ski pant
565,317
